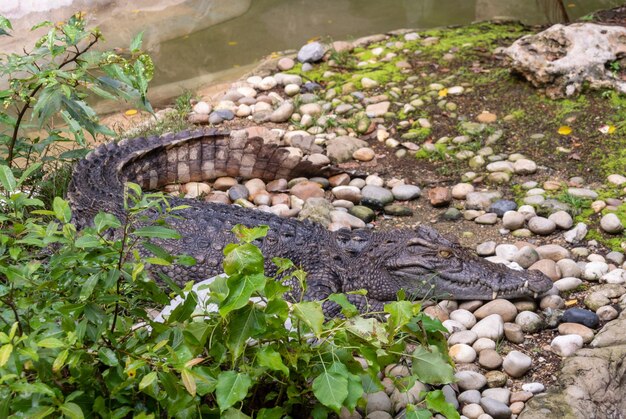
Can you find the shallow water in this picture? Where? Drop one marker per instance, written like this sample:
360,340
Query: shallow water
226,50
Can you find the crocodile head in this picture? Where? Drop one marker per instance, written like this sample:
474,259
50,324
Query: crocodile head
426,264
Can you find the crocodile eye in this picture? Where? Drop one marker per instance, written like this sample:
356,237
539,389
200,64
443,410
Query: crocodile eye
444,254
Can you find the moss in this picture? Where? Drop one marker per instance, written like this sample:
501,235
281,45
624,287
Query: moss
439,153
568,107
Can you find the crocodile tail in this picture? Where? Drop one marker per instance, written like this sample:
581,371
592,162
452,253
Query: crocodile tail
97,183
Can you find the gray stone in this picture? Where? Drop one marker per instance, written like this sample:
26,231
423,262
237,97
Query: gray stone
491,327
406,192
496,409
562,220
378,401
501,206
486,248
513,220
376,197
529,322
311,52
525,257
582,193
488,219
364,213
516,364
469,396
481,200
566,345
541,226
470,380
340,149
577,234
282,113
503,395
611,224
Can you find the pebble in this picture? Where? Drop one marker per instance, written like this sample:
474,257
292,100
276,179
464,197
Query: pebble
607,313
376,196
282,113
439,196
491,327
496,409
577,234
553,252
346,219
611,224
504,308
542,226
462,353
516,364
489,359
486,248
524,167
469,397
580,316
362,212
472,411
470,380
460,190
529,322
306,189
377,109
501,206
503,395
348,193
562,219
548,267
616,276
465,317
378,401
311,52
595,270
480,200
566,345
582,193
513,220
202,108
569,268
526,257
406,192
364,154
513,333
576,329
487,219
568,284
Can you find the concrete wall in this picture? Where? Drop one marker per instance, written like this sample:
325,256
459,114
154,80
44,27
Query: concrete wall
119,20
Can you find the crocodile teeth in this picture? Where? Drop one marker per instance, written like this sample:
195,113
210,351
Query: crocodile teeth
536,295
526,284
494,295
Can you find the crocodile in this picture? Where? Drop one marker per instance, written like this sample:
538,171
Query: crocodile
418,260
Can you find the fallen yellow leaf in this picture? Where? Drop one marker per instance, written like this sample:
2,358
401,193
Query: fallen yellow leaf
443,93
131,112
232,43
571,5
564,130
569,303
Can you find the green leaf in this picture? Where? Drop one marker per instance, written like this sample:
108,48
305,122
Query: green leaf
243,259
87,242
157,232
148,380
135,44
188,381
233,413
48,103
51,343
5,23
310,312
369,329
414,412
347,308
248,235
61,209
268,357
75,154
430,366
244,324
103,221
355,391
5,354
331,387
271,413
400,312
240,289
232,387
40,412
90,284
59,361
7,179
205,382
183,311
108,357
72,410
29,171
435,400
430,325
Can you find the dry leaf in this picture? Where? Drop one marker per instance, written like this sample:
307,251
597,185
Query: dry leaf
131,112
564,130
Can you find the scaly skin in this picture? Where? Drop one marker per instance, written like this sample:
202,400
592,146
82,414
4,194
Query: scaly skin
421,261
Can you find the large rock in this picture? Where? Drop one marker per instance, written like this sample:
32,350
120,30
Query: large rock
563,58
592,383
